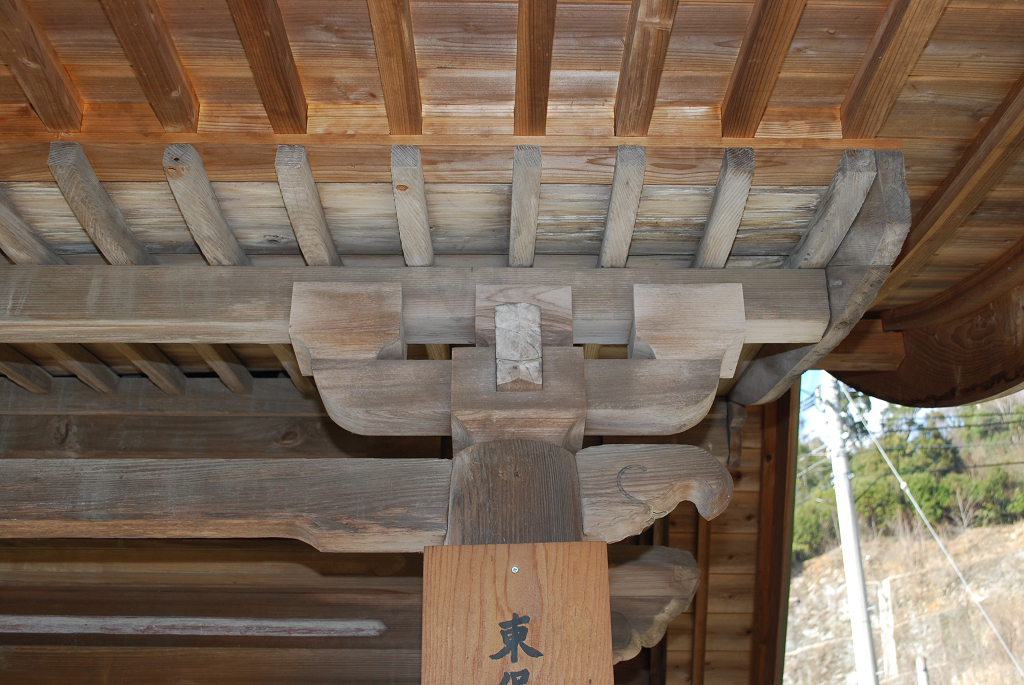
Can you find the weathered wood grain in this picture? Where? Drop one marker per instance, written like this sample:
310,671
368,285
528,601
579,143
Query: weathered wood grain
855,273
517,347
647,39
396,59
688,322
24,372
838,209
199,304
866,348
286,355
265,40
480,412
305,212
84,364
700,613
767,39
726,212
200,208
996,147
895,48
139,397
143,33
167,625
394,505
226,365
526,174
535,37
92,206
367,326
411,205
624,488
17,239
561,587
661,584
555,305
648,397
150,360
627,184
28,53
514,492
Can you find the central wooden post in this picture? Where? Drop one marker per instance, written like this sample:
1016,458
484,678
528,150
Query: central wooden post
516,597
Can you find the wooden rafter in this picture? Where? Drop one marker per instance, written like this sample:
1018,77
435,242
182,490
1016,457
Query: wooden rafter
84,364
23,371
627,185
225,364
898,43
411,205
526,173
146,39
30,56
305,212
726,210
265,40
647,38
149,359
979,168
769,33
391,22
534,44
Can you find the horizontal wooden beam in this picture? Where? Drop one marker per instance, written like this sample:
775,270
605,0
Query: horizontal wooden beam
336,505
233,304
28,53
866,348
139,397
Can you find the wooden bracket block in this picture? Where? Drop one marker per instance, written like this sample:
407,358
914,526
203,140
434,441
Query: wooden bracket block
517,347
536,613
689,322
353,321
555,304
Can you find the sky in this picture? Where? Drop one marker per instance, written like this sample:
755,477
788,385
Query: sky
812,420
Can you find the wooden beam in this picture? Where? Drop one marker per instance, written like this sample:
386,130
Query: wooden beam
866,348
146,39
92,206
855,273
769,33
286,355
534,45
200,208
17,239
627,186
23,371
726,212
526,171
774,538
84,364
411,205
265,40
203,305
38,624
971,294
148,359
305,212
700,612
391,22
226,365
837,211
28,53
438,352
209,397
897,44
647,38
983,163
972,358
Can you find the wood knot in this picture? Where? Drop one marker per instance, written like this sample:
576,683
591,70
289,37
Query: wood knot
401,187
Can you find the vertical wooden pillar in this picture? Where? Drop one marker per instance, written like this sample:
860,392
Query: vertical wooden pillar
775,537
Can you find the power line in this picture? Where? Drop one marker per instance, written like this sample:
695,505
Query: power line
913,500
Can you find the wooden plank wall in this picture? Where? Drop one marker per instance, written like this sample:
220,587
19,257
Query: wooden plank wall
733,560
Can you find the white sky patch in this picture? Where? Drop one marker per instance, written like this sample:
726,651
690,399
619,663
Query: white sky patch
812,418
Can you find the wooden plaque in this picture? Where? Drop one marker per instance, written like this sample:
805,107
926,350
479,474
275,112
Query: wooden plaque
493,612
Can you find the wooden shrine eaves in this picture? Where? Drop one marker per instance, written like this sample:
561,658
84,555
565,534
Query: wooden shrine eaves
253,305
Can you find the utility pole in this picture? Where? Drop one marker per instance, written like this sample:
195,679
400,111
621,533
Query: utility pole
856,590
